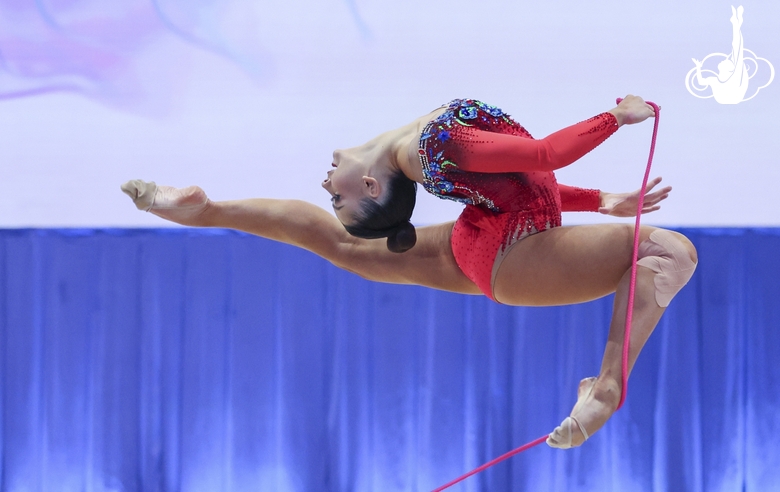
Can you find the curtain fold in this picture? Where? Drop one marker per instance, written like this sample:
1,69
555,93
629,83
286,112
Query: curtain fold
189,360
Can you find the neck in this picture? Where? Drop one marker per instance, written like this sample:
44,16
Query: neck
409,160
388,154
396,150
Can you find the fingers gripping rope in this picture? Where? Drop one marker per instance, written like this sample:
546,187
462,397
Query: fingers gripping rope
629,315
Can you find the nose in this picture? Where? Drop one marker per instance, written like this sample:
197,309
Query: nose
326,182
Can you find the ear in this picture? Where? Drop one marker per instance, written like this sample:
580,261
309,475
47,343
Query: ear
372,186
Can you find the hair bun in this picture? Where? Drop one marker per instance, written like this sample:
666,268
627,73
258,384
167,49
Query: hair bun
404,237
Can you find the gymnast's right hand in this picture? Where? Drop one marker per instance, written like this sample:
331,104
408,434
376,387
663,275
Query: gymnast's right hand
184,206
632,109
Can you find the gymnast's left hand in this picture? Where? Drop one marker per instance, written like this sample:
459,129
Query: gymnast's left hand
625,204
631,110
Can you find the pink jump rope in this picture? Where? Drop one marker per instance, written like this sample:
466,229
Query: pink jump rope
629,314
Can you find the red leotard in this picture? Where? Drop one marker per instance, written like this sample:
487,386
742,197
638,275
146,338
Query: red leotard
476,154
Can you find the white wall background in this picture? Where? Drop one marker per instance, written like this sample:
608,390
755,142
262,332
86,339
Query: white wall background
250,98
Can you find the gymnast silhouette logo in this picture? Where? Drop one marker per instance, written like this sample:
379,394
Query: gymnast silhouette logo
729,85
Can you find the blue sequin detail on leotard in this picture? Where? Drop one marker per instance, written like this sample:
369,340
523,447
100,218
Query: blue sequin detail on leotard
438,165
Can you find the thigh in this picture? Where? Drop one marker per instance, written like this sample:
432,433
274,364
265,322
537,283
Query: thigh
566,265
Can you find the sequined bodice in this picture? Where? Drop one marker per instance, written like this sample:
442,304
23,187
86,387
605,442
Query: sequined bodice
445,139
474,153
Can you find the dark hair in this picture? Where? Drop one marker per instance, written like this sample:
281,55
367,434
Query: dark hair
389,219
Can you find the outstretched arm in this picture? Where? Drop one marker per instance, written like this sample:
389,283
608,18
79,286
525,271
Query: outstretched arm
490,152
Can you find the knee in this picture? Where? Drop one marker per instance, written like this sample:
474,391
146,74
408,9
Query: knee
668,244
686,243
672,257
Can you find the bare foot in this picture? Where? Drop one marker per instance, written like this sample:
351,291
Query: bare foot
181,205
597,400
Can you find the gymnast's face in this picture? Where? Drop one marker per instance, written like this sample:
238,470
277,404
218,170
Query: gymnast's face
348,185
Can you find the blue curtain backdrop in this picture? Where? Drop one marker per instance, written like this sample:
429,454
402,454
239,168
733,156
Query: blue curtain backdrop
192,360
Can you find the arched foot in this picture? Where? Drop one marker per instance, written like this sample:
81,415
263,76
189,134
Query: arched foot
596,402
181,205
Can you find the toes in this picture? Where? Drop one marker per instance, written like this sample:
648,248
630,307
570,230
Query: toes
556,439
554,444
141,192
130,188
562,436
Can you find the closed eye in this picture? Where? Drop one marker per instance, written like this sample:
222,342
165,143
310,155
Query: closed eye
335,200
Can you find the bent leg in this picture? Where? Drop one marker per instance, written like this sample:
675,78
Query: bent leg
566,265
577,264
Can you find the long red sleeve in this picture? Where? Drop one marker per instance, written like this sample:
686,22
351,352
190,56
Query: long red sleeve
575,199
489,152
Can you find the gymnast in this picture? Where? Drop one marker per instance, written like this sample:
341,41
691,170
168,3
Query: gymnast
508,243
731,83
